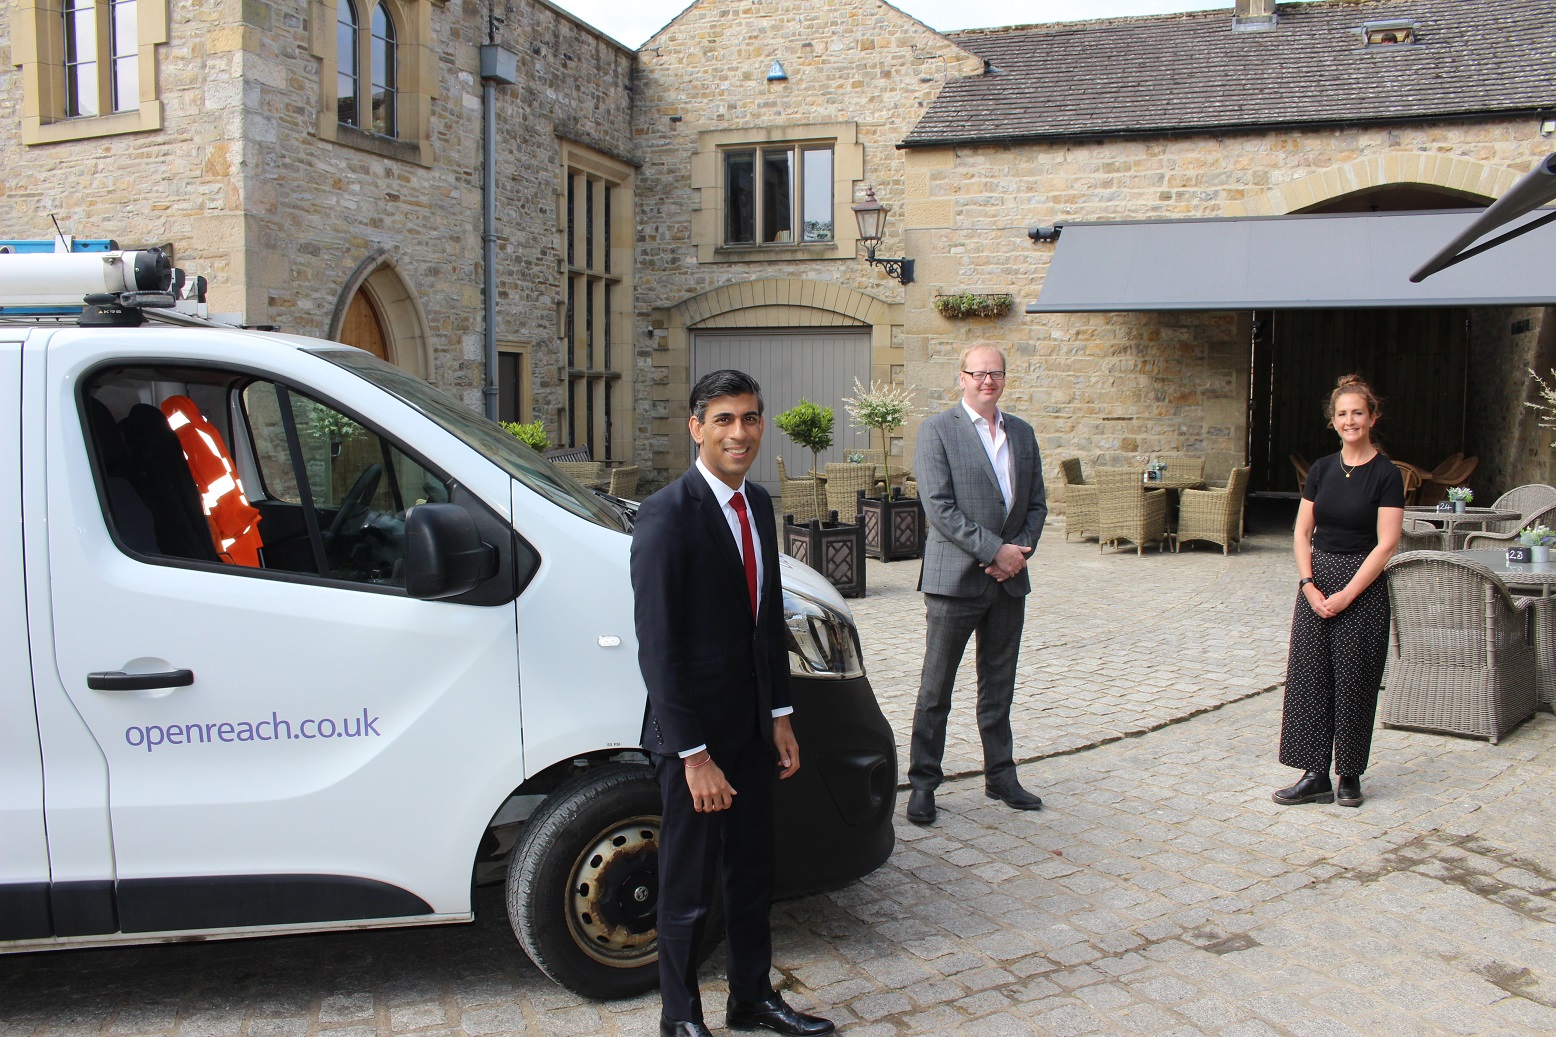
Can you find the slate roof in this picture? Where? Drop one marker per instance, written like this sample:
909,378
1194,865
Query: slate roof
1192,73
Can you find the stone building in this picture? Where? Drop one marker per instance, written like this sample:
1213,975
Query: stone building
689,205
321,164
972,138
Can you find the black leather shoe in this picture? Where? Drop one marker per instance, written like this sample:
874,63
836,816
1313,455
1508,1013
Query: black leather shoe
1313,787
1013,796
921,806
773,1014
1348,793
676,1028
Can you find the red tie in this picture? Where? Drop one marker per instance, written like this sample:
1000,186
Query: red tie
747,545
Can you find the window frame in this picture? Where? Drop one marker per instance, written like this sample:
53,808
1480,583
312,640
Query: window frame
799,193
415,79
594,309
38,47
709,179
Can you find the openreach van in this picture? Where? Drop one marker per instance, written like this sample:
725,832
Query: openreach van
290,641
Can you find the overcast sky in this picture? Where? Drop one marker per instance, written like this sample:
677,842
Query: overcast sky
634,21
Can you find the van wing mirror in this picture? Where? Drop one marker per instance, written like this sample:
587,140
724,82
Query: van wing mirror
444,554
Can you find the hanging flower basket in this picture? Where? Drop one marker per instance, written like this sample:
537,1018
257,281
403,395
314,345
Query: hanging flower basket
966,305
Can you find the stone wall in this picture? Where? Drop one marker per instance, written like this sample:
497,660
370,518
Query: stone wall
857,62
1107,387
240,183
1505,344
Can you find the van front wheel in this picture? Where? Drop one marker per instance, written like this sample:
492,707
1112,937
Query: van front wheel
583,883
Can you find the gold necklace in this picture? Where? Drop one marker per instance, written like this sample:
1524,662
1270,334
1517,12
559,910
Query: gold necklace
1355,466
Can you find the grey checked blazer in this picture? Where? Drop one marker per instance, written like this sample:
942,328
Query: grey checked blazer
961,496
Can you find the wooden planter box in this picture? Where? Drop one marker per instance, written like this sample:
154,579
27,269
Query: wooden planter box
893,527
834,549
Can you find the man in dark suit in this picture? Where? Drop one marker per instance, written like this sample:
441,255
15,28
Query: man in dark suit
981,480
712,648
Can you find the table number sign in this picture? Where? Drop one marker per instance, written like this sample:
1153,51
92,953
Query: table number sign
1520,554
1446,505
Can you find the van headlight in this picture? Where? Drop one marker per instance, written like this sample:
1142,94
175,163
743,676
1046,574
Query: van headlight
822,641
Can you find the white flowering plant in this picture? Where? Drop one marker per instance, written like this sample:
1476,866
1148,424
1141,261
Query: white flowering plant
883,409
1536,536
1461,493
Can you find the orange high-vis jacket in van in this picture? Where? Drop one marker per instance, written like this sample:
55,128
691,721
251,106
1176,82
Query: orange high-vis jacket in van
234,521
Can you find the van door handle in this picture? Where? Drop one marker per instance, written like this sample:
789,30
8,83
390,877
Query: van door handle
117,680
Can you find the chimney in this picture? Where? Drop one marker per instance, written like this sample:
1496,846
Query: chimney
1253,15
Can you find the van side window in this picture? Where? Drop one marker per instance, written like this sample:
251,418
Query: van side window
214,466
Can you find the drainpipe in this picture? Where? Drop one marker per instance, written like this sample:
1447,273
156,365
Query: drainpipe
498,66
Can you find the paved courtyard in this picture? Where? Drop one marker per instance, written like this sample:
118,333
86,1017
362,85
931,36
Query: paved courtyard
1159,891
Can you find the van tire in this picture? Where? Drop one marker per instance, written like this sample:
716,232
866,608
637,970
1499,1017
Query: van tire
583,883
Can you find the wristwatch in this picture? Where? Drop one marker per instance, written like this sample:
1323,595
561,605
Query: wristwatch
1304,582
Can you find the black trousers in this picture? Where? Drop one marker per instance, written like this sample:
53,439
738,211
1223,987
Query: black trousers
997,618
691,849
1333,670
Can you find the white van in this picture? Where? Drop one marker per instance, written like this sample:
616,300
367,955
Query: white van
410,658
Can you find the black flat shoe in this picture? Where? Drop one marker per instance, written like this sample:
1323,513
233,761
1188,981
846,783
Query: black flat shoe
1313,787
1014,796
775,1015
1348,794
677,1028
921,806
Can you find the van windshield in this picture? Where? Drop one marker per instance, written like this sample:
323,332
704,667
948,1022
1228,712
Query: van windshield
485,437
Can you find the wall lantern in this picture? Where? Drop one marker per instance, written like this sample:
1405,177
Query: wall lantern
871,217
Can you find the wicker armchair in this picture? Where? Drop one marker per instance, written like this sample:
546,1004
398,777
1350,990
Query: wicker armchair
798,497
1214,515
1080,500
1412,477
1301,464
1420,536
1463,661
1534,502
1455,470
844,481
1126,510
624,481
1183,467
590,473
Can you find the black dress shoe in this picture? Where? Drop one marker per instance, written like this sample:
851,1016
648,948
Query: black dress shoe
1313,787
773,1014
1348,793
921,806
677,1028
1013,796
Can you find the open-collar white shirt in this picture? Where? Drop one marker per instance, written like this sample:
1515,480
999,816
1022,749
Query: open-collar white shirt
997,445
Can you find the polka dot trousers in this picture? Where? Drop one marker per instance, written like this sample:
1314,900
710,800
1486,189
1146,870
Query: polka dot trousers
1333,671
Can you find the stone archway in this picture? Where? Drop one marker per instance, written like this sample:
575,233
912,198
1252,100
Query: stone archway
1460,175
377,308
768,303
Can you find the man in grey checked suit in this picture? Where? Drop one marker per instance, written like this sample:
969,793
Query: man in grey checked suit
981,482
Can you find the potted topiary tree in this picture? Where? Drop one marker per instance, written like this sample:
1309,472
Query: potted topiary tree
834,549
893,524
531,433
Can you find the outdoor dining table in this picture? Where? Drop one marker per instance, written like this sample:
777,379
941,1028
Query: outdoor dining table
1456,525
1540,579
1172,484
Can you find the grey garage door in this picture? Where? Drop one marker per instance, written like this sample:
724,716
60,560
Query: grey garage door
819,365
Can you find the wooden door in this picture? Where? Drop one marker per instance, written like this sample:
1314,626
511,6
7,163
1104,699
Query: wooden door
363,328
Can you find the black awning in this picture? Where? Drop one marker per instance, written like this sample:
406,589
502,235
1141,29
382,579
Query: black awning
1343,261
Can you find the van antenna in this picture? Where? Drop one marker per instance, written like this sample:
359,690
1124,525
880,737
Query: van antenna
58,232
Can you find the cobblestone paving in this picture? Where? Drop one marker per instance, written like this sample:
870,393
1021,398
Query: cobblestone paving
1159,892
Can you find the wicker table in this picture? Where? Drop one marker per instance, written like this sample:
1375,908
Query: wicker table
1471,519
1540,578
1173,485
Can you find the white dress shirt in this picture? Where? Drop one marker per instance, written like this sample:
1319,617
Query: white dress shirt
724,493
997,445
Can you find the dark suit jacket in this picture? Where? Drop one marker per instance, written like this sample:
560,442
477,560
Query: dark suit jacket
961,497
714,673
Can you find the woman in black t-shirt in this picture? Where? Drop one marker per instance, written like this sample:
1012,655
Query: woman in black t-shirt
1348,524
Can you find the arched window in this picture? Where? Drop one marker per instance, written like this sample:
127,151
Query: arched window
384,91
346,77
370,104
